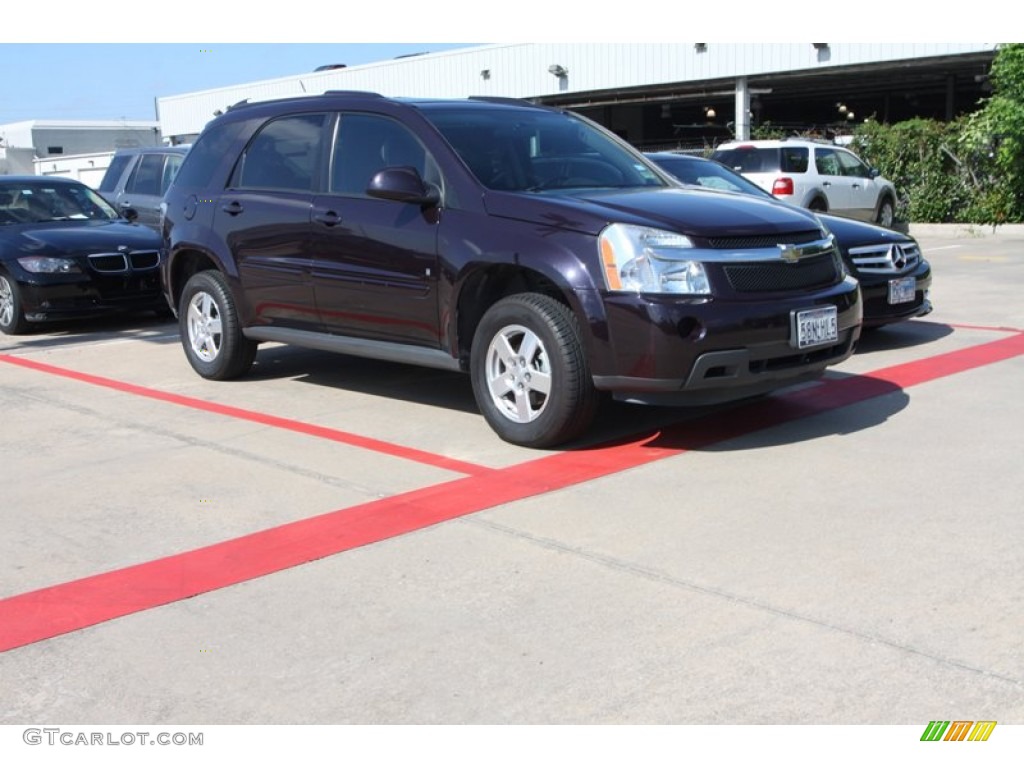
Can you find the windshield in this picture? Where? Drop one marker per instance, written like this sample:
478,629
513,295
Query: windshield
29,202
707,173
529,150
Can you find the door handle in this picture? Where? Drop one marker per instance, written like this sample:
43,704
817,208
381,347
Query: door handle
826,183
233,208
327,218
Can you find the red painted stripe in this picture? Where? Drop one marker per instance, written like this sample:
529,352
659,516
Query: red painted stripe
336,435
52,611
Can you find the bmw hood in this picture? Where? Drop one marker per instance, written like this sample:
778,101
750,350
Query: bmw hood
693,212
74,238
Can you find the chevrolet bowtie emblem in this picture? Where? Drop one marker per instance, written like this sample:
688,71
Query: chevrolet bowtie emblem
789,253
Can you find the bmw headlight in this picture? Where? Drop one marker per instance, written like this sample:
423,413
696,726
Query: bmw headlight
48,265
646,260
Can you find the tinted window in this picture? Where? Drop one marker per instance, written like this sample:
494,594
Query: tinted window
530,150
852,165
171,167
145,178
827,163
750,159
794,159
113,174
708,173
284,154
367,143
206,155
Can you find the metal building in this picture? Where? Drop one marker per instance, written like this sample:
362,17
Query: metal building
658,94
76,148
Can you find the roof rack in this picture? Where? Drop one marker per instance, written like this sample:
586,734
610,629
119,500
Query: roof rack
503,100
355,94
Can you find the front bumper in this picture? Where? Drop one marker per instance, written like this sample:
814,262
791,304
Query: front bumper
875,290
672,351
72,296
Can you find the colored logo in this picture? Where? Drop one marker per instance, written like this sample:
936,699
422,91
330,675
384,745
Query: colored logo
958,730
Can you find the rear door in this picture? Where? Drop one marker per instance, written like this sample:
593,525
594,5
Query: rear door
834,184
264,219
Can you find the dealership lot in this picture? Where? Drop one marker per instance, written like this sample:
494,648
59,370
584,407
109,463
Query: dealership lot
333,540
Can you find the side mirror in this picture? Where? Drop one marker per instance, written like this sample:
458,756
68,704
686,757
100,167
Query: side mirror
404,185
874,173
129,213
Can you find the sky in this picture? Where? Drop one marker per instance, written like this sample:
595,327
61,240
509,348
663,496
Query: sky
118,81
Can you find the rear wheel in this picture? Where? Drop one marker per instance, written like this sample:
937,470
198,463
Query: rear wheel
12,318
210,330
818,205
530,376
886,213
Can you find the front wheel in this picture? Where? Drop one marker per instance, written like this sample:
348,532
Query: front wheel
530,376
12,318
210,330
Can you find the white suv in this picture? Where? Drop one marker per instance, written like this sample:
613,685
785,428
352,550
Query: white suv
818,176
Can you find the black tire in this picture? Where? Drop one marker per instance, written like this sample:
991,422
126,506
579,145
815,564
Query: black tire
12,317
530,375
886,215
210,330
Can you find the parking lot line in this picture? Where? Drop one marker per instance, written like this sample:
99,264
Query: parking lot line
41,614
313,430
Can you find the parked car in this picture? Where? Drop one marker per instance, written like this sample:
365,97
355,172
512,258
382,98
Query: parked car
523,245
137,179
64,252
821,177
894,276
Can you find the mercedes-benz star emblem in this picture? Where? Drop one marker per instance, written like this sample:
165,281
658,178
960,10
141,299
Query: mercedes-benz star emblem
897,257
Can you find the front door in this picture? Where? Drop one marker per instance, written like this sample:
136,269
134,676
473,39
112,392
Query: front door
375,261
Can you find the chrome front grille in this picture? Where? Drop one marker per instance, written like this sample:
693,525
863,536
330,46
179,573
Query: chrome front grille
130,261
885,258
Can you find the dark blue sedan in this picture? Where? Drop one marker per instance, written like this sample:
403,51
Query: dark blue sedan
894,276
65,253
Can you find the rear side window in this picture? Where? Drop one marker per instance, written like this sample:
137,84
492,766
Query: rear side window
171,167
750,159
794,159
145,178
113,174
284,154
209,151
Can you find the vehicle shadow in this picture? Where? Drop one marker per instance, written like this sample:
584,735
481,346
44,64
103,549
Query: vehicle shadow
910,333
782,418
378,378
758,422
149,327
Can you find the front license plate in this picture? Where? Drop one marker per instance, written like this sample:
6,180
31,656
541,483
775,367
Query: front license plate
901,291
814,327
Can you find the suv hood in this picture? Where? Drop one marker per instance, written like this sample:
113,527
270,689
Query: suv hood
694,212
78,237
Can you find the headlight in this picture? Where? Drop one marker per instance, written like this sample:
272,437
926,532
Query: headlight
645,260
49,265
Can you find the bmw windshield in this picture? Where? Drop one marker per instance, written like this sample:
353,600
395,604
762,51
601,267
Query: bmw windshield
32,202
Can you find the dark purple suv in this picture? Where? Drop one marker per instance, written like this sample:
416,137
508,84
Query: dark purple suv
524,245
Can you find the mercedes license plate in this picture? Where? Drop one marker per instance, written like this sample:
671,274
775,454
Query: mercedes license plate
814,327
901,291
